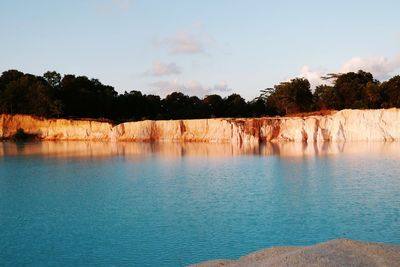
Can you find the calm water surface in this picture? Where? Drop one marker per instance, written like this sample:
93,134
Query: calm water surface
98,204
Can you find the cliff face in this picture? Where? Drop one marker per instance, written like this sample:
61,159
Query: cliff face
54,129
345,125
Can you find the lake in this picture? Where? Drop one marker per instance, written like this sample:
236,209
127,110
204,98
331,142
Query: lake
132,204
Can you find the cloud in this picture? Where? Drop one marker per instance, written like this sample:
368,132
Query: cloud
381,68
183,43
192,40
190,88
314,77
161,69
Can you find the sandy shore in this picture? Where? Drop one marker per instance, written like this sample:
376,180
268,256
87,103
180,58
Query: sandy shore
340,252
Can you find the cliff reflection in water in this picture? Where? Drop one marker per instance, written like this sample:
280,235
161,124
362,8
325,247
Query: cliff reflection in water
140,150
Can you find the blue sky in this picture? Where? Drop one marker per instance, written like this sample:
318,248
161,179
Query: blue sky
200,47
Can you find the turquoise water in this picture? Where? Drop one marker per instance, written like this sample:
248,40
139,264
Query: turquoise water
97,204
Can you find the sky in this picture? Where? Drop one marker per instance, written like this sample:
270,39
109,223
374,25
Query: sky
200,47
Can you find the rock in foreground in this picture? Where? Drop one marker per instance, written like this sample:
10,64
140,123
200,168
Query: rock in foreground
340,252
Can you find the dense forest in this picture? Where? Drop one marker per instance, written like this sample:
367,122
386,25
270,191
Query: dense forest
70,96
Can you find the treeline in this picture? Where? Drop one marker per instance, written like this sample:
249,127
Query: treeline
70,96
354,90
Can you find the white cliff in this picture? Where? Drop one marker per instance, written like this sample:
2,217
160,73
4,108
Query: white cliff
54,129
344,125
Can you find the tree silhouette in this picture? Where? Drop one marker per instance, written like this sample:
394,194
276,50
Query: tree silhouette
54,95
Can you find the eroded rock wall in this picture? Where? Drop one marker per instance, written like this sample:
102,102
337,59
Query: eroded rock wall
54,129
344,125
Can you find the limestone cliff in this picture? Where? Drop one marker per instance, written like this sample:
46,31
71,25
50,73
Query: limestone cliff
54,129
344,125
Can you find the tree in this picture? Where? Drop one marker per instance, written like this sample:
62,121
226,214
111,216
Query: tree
214,106
350,88
265,93
176,106
325,97
291,97
84,97
257,107
27,94
391,92
153,107
236,106
372,95
9,76
53,78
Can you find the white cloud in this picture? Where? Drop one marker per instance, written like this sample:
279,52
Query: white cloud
314,77
183,43
192,40
381,68
161,69
190,88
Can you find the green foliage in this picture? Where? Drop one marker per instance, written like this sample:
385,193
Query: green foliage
257,107
350,89
372,95
290,97
53,78
390,92
235,106
27,94
214,105
84,97
325,97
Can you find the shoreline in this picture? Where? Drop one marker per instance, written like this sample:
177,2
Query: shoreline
338,252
